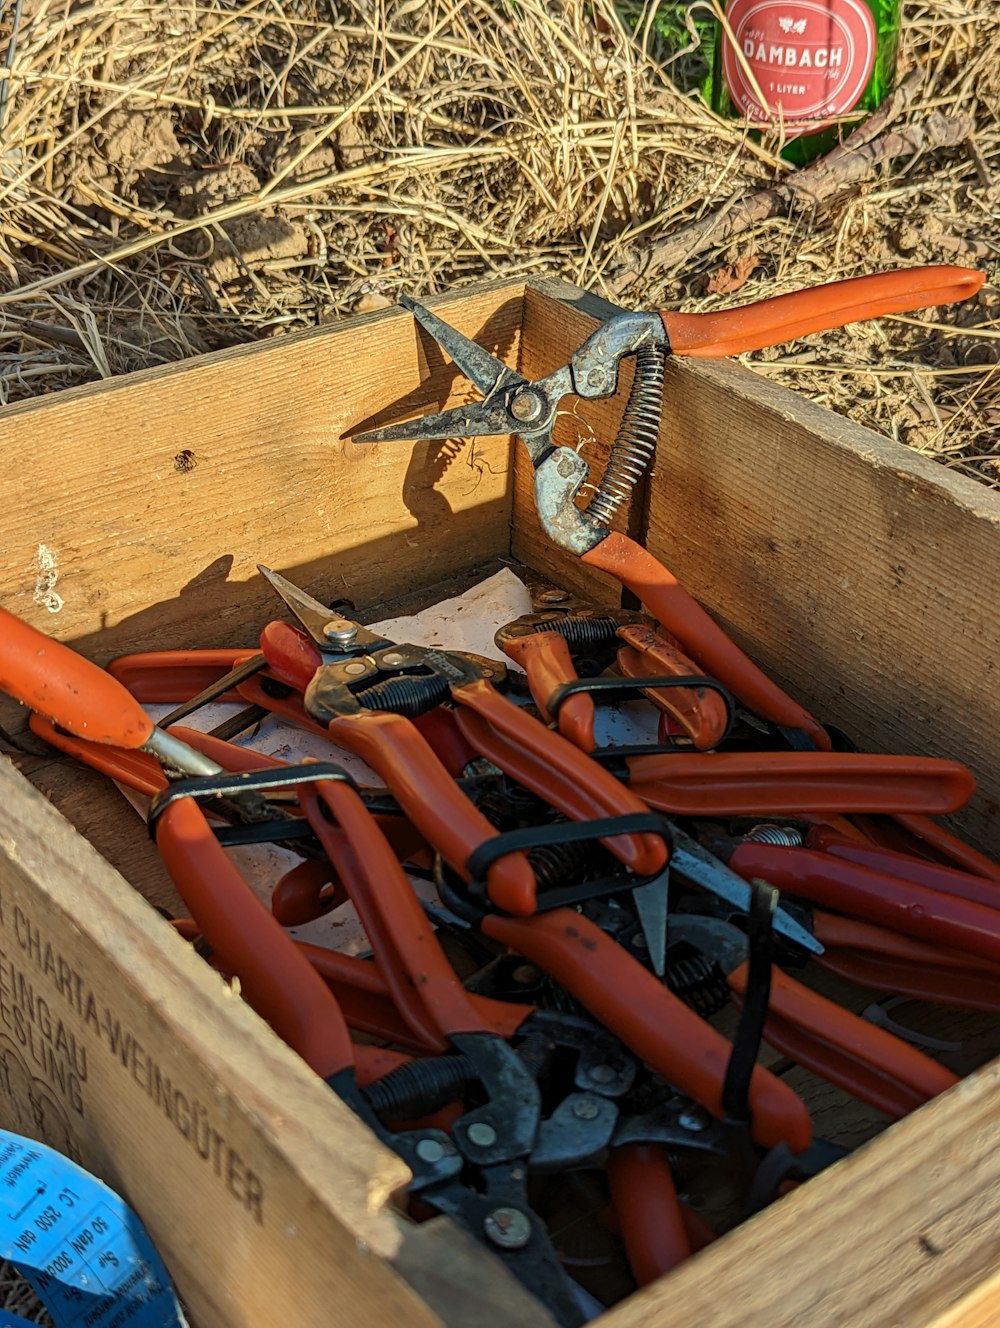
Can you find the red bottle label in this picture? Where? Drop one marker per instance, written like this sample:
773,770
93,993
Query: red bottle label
811,58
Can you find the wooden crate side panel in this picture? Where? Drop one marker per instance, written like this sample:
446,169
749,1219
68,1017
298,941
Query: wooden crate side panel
145,504
857,573
895,1236
267,1198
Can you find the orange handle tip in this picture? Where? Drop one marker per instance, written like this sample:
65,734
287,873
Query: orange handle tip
816,309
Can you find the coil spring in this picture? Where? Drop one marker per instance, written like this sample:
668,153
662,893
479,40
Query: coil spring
696,980
582,631
510,806
406,696
420,1087
552,996
635,444
784,836
559,864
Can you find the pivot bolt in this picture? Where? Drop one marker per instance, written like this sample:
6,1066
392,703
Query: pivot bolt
482,1134
527,407
597,378
355,668
340,631
693,1119
525,974
602,1074
507,1227
585,1108
392,660
553,597
431,1150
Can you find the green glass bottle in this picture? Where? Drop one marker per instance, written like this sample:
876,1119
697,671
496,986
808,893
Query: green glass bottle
815,66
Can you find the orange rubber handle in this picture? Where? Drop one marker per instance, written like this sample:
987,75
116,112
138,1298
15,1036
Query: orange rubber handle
420,977
652,1022
913,910
291,656
142,772
875,957
948,880
363,995
546,659
446,818
944,844
648,1210
863,1059
699,636
173,676
840,933
784,783
275,978
308,891
915,969
700,712
785,317
77,695
134,769
555,770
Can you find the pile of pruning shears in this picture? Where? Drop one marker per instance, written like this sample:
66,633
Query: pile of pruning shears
540,1041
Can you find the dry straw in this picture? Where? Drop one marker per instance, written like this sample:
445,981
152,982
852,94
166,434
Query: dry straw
176,178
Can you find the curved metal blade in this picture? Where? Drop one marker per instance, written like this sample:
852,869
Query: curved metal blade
695,863
321,623
651,904
478,365
481,419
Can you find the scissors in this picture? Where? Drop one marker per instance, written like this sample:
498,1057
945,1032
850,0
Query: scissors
514,405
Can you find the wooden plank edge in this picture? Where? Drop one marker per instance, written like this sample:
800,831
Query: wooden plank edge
840,431
347,1180
894,1236
244,355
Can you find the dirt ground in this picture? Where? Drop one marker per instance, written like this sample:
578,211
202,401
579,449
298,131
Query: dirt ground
181,178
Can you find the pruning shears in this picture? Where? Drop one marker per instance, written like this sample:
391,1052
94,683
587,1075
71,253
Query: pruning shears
514,405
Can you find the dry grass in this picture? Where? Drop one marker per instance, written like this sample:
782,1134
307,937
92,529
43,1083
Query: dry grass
182,177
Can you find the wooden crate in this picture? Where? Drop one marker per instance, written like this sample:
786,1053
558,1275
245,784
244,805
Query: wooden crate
859,574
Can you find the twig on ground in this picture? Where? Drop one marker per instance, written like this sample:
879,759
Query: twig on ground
848,164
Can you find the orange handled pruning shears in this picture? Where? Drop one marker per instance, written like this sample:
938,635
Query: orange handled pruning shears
81,698
514,405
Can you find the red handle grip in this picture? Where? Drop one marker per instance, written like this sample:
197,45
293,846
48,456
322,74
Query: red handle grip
885,961
700,712
948,880
784,783
899,905
872,1064
364,996
785,317
941,843
424,985
555,770
275,978
77,695
546,660
396,750
648,1210
649,1019
173,676
290,654
699,636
